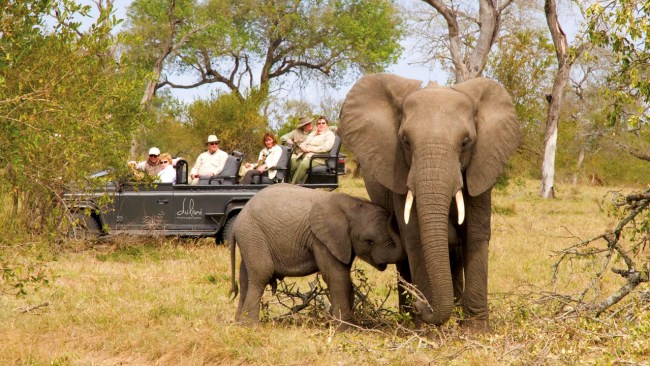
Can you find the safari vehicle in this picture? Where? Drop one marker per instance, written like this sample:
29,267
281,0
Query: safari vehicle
181,209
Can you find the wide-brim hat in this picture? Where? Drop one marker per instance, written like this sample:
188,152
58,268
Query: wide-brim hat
212,138
305,121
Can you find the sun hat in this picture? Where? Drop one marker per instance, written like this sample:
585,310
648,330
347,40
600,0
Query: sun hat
154,151
212,138
304,121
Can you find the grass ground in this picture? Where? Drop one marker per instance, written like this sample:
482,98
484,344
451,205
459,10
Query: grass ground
160,301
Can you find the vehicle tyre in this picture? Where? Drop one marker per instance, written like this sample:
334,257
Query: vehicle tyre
86,228
226,233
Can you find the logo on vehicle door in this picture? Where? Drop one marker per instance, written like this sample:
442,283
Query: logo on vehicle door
189,212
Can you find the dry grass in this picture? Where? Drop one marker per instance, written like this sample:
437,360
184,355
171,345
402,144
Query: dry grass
165,302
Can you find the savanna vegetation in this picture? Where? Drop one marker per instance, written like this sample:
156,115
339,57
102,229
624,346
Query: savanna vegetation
82,90
165,301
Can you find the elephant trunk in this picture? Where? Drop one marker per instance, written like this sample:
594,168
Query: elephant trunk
392,251
438,180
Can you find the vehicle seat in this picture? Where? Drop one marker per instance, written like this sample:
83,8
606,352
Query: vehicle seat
182,170
327,173
282,168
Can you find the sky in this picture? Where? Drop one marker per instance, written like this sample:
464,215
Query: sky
407,66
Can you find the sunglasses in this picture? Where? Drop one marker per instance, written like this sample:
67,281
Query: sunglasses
213,143
164,162
153,156
322,123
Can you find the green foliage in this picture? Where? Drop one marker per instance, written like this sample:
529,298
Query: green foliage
66,109
236,122
227,41
623,27
523,65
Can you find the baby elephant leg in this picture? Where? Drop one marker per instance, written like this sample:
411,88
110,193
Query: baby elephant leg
255,280
339,283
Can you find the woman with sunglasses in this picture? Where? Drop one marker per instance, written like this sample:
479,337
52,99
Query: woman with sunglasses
168,173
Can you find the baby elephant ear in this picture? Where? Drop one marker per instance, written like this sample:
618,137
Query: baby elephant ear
331,226
498,133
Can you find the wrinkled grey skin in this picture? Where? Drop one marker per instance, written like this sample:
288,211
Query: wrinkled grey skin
434,142
290,231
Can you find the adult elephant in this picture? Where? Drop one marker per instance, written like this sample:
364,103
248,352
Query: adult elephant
420,148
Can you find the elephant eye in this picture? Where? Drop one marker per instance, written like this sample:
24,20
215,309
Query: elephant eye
465,142
405,141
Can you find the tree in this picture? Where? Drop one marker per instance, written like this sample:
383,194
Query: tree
622,27
241,45
522,63
464,47
66,107
565,59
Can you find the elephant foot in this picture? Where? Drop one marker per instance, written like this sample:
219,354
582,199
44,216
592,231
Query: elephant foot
476,325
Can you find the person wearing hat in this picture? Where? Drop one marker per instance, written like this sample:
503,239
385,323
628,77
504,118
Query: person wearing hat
318,142
299,135
210,162
152,165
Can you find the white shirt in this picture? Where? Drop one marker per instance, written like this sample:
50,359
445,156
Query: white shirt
210,164
272,157
167,175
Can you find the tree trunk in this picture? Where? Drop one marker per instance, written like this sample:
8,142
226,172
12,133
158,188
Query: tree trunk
555,100
467,67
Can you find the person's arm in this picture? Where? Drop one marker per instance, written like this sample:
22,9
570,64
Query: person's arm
195,169
141,165
287,137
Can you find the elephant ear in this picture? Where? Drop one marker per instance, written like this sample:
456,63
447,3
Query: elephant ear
498,133
369,121
330,223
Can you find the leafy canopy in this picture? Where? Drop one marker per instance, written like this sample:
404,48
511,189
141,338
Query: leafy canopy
66,107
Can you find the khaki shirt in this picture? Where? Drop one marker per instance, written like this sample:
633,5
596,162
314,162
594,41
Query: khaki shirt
298,136
146,167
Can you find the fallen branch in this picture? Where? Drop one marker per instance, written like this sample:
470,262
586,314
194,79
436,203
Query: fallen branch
614,250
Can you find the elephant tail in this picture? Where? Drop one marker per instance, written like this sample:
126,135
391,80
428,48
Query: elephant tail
234,289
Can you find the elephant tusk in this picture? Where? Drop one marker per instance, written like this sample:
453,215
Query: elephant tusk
407,206
460,204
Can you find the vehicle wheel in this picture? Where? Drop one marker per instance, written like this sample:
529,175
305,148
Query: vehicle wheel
86,228
226,233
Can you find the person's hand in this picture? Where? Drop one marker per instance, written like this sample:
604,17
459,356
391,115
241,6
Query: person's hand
261,168
248,165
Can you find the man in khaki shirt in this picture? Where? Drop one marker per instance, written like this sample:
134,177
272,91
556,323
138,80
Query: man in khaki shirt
299,135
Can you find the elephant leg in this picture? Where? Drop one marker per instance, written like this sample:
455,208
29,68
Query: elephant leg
405,301
456,262
243,284
339,283
256,279
475,261
475,303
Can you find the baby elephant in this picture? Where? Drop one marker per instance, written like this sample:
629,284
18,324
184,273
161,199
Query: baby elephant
287,230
